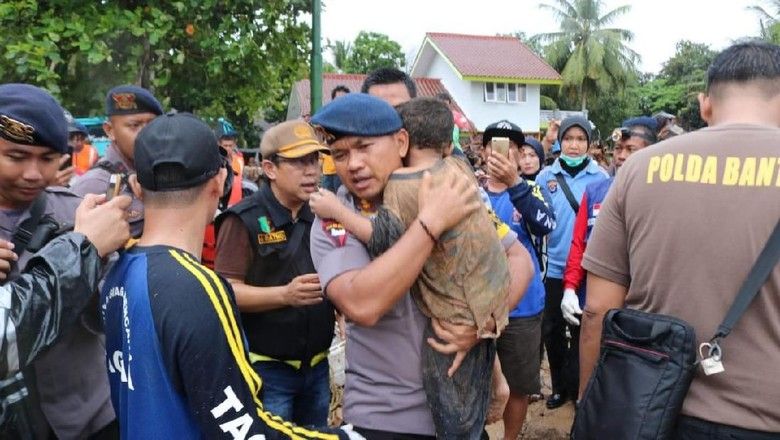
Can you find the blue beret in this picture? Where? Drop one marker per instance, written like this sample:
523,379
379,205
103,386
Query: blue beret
358,114
31,116
130,100
644,121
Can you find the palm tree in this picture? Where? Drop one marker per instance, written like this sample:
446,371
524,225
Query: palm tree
591,57
769,19
341,51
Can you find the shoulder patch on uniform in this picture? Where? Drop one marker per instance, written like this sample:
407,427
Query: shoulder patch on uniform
552,185
335,231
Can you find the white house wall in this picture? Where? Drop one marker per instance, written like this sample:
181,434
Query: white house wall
470,97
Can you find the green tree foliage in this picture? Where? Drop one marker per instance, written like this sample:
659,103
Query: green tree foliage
369,51
235,59
769,19
684,77
592,57
341,52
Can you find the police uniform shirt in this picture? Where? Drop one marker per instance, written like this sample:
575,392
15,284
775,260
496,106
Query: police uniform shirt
177,359
254,245
72,409
97,179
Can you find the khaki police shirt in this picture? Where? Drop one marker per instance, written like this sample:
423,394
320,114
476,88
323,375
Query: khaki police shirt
681,228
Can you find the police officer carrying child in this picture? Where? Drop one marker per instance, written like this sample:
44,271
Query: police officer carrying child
129,109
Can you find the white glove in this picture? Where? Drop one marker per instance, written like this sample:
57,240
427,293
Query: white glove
570,306
351,433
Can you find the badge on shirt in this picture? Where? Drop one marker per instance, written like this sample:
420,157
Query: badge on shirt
267,234
335,231
596,209
552,185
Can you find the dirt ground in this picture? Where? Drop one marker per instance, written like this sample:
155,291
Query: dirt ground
541,423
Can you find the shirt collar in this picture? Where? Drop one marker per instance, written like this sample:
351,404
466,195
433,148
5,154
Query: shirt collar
115,157
279,214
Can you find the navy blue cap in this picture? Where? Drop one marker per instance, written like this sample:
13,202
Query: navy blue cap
31,116
178,139
536,145
77,127
505,129
358,114
575,121
131,100
644,121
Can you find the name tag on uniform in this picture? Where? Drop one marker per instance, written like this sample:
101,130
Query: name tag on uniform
272,237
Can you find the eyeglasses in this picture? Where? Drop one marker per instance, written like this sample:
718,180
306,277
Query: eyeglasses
299,162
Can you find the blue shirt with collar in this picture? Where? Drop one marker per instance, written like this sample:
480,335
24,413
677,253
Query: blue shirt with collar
560,238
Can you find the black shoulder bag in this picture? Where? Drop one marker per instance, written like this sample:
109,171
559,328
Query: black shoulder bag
647,362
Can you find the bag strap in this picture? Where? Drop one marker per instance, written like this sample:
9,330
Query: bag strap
752,285
24,232
567,191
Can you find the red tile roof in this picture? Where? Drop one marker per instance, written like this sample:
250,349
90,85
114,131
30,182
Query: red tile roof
502,57
425,87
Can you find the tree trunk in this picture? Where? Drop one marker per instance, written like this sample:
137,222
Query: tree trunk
144,70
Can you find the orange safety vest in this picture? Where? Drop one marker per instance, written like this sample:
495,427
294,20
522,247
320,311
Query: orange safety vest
209,254
84,159
328,167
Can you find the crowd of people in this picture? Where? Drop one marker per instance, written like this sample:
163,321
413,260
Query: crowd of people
156,292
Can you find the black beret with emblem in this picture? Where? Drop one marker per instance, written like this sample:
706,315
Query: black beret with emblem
31,116
131,100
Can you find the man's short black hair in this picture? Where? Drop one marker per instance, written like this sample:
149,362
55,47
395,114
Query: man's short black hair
339,88
429,123
752,61
389,75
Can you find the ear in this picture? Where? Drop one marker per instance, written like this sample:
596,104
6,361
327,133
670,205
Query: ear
402,138
269,169
109,129
218,182
705,108
138,192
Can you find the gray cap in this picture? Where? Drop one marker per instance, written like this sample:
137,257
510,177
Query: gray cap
574,121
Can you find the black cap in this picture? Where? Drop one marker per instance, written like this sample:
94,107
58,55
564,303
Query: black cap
131,100
503,128
31,116
178,139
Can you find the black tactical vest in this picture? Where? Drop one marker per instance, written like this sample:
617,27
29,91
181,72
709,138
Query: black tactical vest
280,253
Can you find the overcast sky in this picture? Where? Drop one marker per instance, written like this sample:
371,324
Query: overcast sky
657,24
